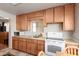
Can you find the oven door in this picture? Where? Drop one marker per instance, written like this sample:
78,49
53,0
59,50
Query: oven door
52,46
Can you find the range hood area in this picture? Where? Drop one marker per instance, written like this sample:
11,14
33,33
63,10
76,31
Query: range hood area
53,28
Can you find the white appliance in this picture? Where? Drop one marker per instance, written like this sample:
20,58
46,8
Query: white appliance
54,42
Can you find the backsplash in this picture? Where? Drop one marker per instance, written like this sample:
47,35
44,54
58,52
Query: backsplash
29,33
50,28
67,35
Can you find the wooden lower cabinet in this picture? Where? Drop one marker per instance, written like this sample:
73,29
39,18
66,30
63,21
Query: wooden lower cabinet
20,44
4,38
24,45
34,47
31,46
15,43
41,46
28,46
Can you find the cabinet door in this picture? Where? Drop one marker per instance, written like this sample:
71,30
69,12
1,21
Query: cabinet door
35,15
41,46
44,19
34,47
24,45
69,17
15,43
28,46
49,15
18,25
59,14
21,22
20,44
24,23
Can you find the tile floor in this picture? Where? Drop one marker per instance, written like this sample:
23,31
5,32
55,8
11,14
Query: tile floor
13,52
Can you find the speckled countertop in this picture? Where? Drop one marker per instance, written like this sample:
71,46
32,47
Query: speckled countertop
30,37
71,41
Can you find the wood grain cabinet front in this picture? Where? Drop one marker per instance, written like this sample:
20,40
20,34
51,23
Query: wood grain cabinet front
24,45
28,46
18,25
31,46
59,14
69,22
36,14
41,46
21,22
34,47
15,43
20,44
49,16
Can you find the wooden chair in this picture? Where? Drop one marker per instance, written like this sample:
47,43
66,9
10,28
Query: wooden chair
69,51
41,53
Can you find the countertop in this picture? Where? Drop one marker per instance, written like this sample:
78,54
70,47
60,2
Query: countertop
71,41
30,37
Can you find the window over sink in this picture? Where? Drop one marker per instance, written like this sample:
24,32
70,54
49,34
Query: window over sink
34,26
37,26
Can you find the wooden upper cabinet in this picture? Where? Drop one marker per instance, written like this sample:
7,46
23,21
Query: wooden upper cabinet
44,19
69,17
35,14
59,14
21,22
24,23
49,15
17,22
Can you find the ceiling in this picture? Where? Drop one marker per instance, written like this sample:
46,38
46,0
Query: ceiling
26,7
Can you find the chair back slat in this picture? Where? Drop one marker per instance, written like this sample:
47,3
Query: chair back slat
72,50
78,51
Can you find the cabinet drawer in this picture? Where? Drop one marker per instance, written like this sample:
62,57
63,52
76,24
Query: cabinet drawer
41,42
29,40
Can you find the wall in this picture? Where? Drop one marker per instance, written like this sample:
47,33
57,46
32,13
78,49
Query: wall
12,19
